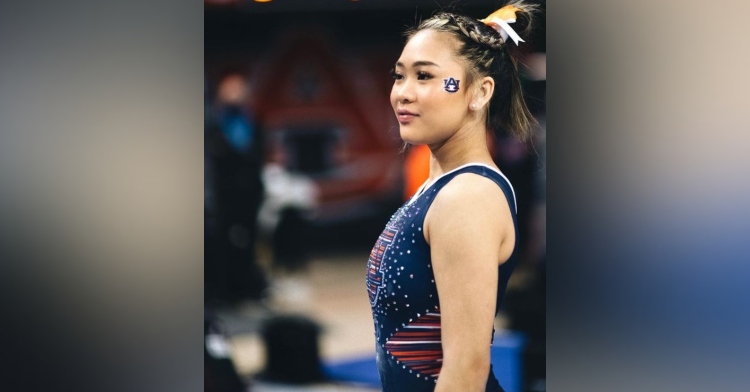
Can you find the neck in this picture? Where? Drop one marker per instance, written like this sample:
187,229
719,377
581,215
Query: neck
468,145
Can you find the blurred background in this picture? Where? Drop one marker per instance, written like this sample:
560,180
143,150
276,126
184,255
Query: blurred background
303,168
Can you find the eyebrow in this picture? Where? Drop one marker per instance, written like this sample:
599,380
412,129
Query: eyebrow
418,64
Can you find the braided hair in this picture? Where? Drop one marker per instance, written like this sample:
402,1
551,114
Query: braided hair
488,54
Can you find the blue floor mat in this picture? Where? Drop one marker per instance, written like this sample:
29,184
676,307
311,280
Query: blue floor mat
505,356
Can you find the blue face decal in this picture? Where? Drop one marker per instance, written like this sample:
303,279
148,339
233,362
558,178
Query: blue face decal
451,85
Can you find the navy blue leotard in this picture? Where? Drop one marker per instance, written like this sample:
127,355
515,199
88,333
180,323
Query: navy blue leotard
403,295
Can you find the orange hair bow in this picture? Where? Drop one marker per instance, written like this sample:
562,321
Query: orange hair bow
500,19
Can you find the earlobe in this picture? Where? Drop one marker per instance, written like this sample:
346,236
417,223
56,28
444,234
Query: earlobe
476,103
482,94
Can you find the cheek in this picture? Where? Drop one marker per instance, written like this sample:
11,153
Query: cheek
447,103
449,110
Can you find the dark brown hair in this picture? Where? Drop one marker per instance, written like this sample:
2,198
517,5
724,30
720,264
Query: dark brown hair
487,54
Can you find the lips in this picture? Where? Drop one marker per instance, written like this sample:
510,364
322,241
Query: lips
405,116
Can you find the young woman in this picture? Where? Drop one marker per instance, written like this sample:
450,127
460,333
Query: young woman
437,273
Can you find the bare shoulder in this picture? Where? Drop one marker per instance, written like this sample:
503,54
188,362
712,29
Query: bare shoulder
470,200
470,192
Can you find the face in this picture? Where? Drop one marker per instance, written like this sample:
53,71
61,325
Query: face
429,106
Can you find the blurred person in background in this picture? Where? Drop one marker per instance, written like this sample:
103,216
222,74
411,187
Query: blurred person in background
438,272
290,204
234,151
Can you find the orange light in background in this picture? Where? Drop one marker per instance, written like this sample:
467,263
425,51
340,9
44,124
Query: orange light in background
263,1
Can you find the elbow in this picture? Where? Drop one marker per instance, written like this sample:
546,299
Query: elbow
472,368
481,369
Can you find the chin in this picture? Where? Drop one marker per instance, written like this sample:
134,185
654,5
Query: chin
409,136
415,138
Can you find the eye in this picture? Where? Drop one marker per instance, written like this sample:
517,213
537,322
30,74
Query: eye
422,75
395,75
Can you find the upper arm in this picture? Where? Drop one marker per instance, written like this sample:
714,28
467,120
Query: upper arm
468,228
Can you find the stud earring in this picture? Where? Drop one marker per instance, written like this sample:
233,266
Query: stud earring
473,106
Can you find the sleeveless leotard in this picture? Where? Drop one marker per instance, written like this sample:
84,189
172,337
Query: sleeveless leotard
403,295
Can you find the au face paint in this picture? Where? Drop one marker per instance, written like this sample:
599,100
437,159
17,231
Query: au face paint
451,85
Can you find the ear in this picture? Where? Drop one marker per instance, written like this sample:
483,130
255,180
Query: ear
482,93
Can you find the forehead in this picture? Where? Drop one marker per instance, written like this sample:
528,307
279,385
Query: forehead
430,45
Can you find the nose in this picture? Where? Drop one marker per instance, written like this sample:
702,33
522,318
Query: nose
403,91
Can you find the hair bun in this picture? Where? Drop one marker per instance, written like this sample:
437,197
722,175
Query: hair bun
518,13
